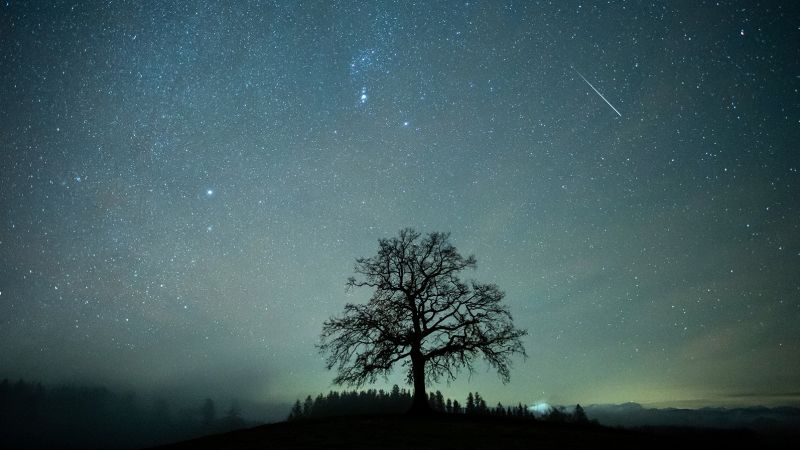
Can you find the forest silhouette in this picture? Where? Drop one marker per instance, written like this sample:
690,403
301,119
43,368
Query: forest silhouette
34,416
398,401
71,417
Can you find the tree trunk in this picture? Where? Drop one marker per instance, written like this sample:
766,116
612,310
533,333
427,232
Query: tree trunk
419,405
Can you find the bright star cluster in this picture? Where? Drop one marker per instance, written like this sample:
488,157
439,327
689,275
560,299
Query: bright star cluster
184,187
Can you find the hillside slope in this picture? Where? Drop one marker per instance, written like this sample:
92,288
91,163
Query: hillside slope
458,432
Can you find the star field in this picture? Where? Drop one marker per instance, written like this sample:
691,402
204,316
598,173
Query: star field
184,187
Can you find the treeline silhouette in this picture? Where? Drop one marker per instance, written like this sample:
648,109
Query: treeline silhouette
398,401
33,416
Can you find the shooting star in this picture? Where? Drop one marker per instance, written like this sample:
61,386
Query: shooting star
598,92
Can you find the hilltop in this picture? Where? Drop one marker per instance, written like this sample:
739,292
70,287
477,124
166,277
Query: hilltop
445,431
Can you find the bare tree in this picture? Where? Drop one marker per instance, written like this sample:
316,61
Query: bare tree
421,316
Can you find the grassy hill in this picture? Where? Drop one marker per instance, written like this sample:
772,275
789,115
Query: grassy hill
460,432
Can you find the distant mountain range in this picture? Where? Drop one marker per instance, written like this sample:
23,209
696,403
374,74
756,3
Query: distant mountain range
758,418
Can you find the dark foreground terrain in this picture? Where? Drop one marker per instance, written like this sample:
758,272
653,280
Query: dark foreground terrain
463,432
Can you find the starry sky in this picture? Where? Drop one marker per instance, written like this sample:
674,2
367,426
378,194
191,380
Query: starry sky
185,186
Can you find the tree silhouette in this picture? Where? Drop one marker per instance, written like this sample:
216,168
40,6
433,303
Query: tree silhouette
421,315
297,411
233,419
579,415
480,405
308,405
208,412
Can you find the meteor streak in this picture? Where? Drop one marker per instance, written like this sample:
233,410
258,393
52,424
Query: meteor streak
598,92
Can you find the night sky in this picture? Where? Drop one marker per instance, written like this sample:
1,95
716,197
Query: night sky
185,186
